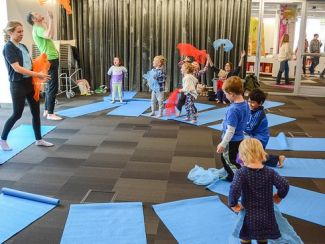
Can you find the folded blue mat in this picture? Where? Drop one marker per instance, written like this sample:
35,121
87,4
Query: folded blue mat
87,109
199,106
133,108
19,209
20,138
281,142
303,167
197,220
273,119
127,95
299,203
206,117
118,223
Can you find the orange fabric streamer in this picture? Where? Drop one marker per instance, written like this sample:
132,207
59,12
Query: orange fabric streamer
186,49
40,64
66,5
171,103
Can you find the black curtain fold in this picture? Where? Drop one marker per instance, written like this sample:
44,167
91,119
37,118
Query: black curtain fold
138,30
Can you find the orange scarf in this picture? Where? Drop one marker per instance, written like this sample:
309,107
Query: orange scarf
40,64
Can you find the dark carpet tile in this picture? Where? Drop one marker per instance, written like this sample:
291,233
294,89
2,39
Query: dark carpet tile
164,236
150,218
65,131
310,233
145,170
118,144
304,183
185,164
62,162
109,173
124,126
37,234
14,171
142,190
74,151
161,133
143,155
44,178
76,187
142,127
108,160
37,188
6,183
320,185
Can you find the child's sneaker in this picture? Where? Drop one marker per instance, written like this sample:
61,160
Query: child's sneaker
152,113
194,121
121,100
113,101
186,119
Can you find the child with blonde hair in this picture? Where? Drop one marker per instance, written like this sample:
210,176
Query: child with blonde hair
116,75
220,95
157,85
189,83
254,184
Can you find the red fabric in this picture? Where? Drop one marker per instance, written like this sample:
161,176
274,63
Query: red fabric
219,84
66,5
40,64
186,49
171,103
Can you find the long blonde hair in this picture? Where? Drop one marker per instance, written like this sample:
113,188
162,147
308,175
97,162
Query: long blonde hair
10,27
285,39
250,150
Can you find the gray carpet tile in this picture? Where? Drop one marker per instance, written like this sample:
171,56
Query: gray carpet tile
142,190
146,155
86,140
146,170
14,171
161,133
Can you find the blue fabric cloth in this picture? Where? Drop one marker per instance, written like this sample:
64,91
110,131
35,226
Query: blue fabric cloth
236,116
227,44
156,79
200,176
13,54
257,199
257,126
118,223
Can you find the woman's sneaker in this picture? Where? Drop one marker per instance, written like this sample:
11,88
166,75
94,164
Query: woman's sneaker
53,117
43,143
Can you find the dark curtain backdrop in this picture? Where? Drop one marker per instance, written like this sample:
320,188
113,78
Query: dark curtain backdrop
138,30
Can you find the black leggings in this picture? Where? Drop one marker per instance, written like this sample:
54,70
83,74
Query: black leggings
228,158
52,86
21,90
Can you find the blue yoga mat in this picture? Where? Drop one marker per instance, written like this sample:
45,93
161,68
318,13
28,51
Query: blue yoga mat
199,106
197,220
19,209
105,223
303,167
132,108
127,95
87,109
299,203
20,138
271,104
273,120
206,117
281,142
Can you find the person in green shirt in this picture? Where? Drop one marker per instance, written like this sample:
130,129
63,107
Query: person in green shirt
43,33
